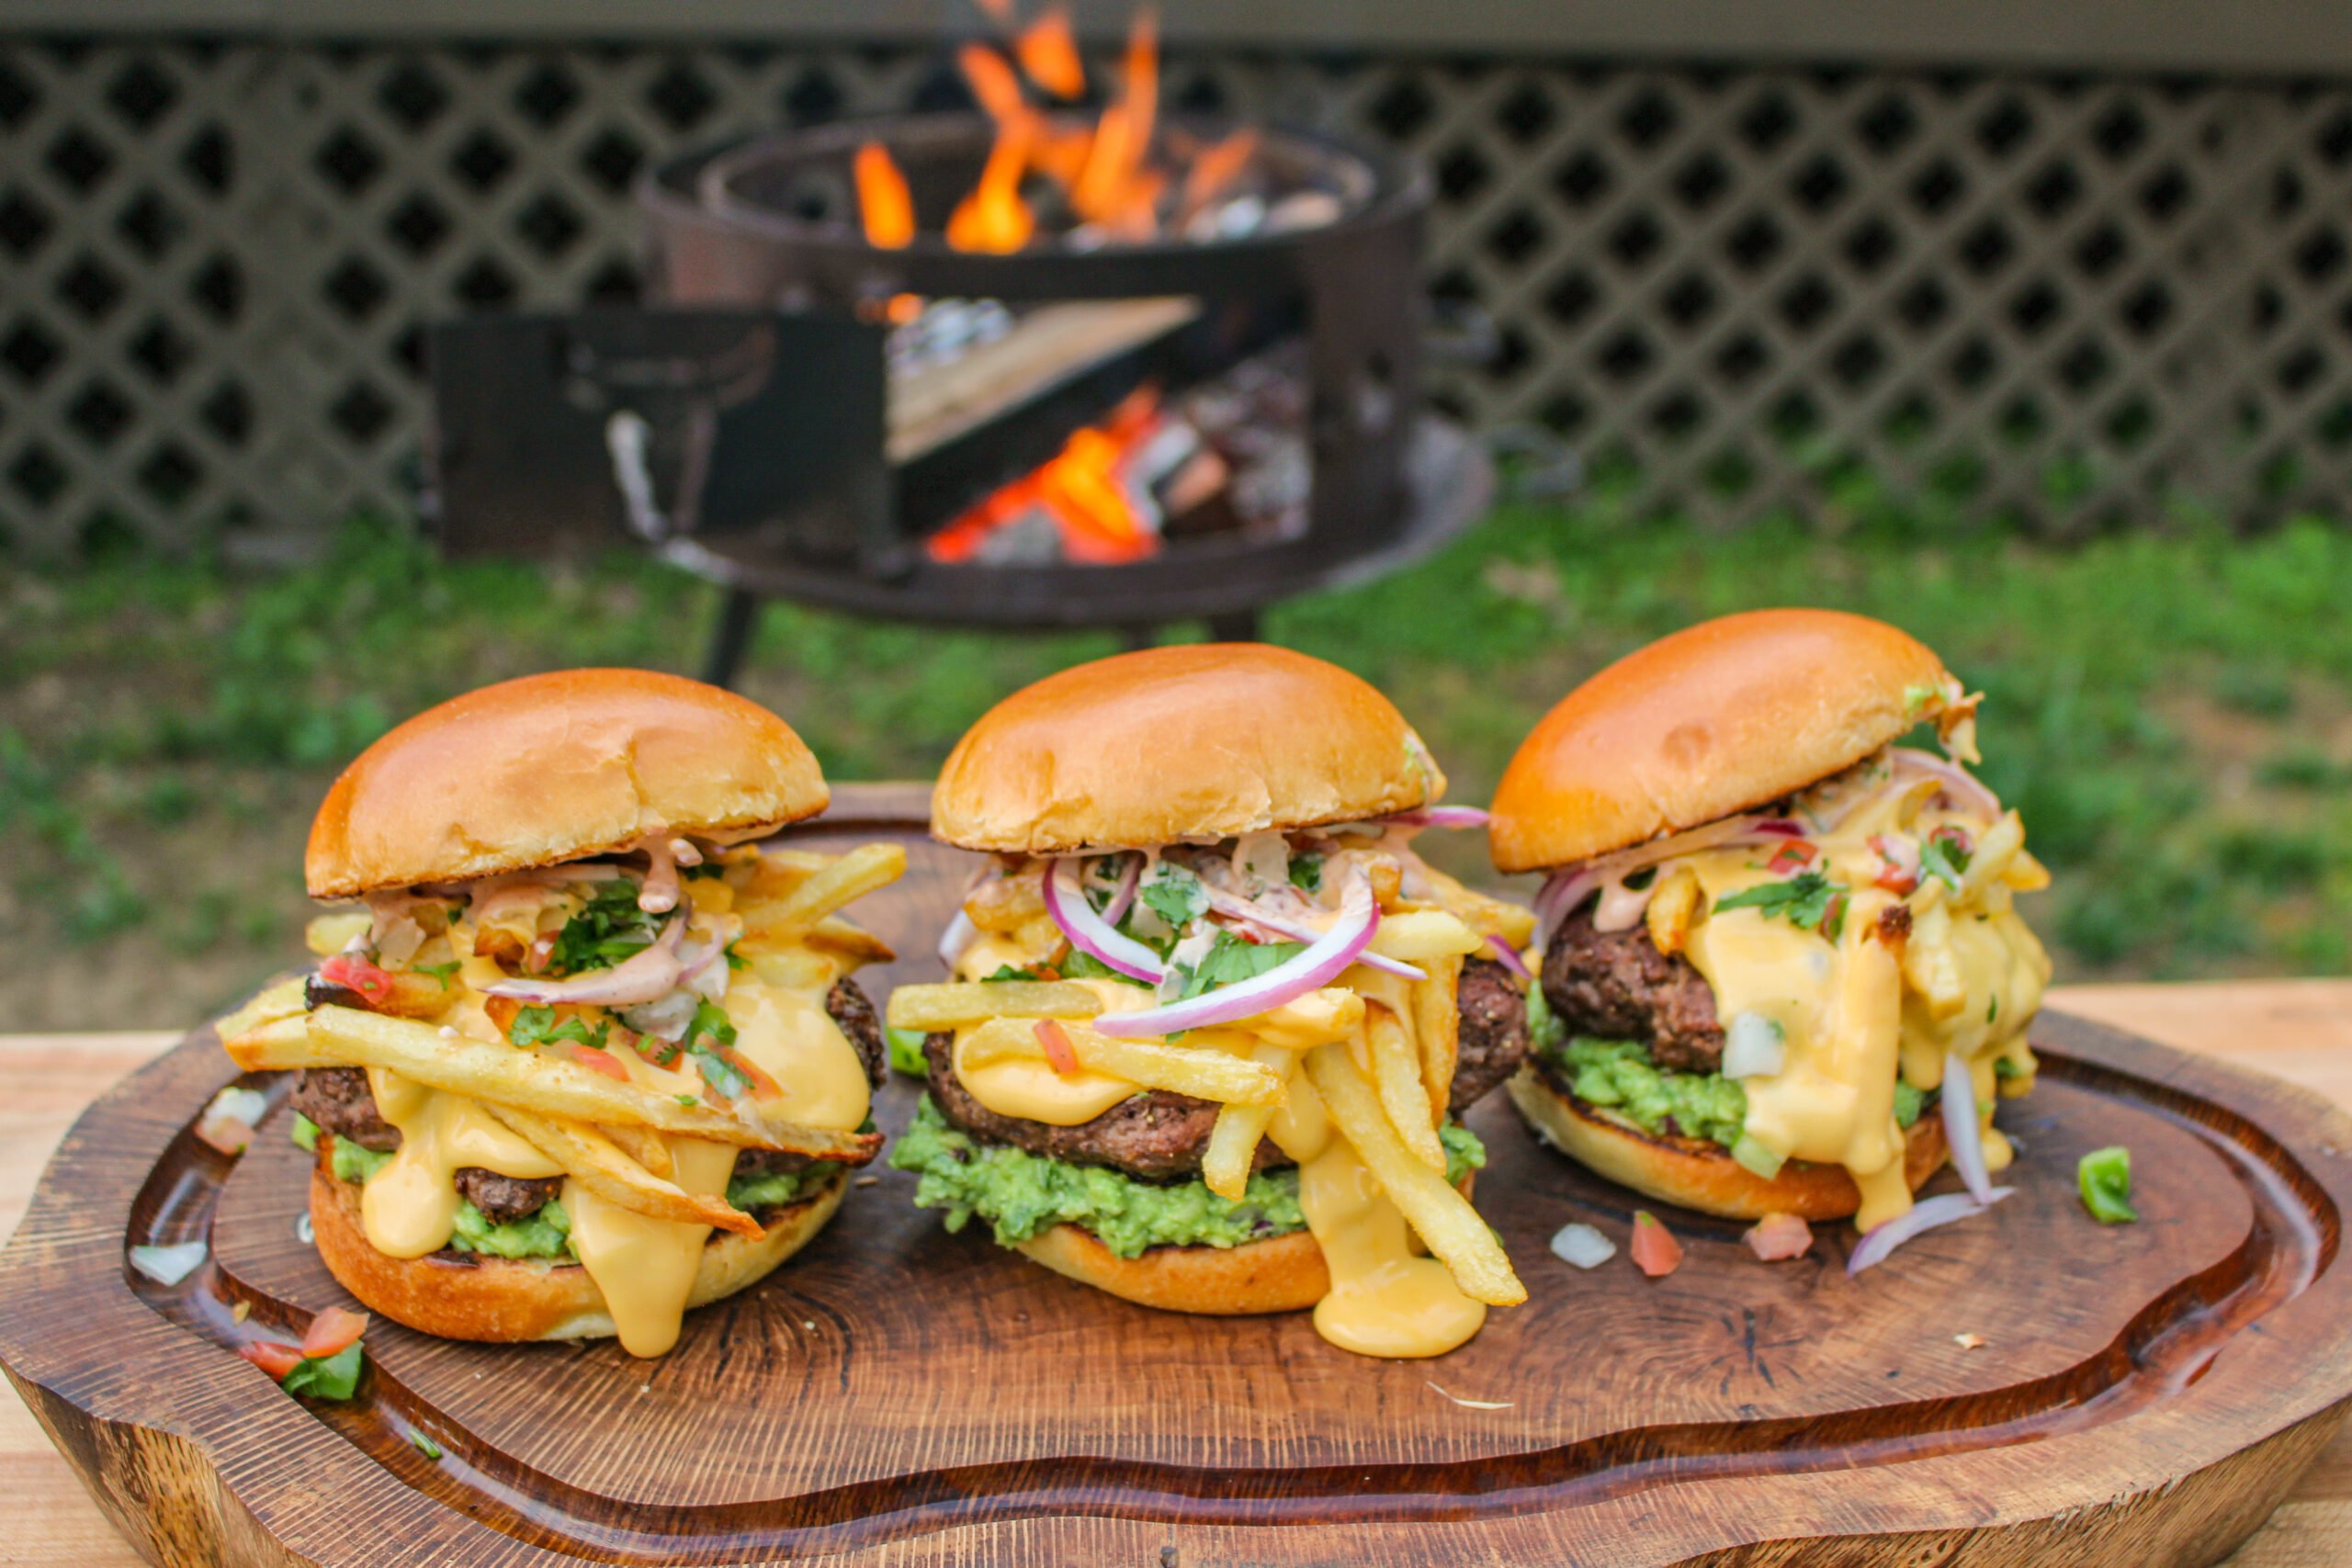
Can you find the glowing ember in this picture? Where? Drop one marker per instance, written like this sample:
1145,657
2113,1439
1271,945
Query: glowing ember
887,211
1084,491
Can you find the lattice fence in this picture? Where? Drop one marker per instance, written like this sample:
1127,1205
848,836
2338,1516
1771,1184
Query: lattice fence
2068,299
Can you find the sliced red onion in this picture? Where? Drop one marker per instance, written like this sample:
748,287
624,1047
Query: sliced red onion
1558,900
1923,1216
1124,895
641,978
168,1265
666,1019
1440,817
1280,925
960,934
1963,786
1753,1048
1961,1129
700,971
1509,957
1323,960
658,893
1781,828
1090,932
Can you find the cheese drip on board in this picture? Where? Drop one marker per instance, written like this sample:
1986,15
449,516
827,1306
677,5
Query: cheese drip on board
1388,1297
735,1022
1909,951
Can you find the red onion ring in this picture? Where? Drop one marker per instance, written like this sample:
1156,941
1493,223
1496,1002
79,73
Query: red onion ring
643,976
1963,786
960,934
1962,1130
1438,817
1124,895
1092,935
1509,957
1242,908
1324,961
1923,1216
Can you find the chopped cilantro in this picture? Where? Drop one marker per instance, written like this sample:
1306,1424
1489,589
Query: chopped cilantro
1174,894
425,1446
1943,856
687,1099
1007,972
1918,697
609,929
708,868
1807,899
2105,1177
440,972
735,959
720,1074
327,1377
1086,966
711,1024
1992,1008
538,1026
1229,959
1306,872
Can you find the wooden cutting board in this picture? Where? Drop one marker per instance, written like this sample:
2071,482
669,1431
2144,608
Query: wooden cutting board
2145,1393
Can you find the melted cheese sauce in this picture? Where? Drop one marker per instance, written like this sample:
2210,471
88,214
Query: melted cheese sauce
1856,1011
644,1268
1387,1298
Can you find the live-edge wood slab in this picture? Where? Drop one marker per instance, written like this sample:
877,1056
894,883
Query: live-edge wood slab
2145,1393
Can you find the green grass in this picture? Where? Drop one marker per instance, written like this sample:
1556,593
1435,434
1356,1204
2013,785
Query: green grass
2171,710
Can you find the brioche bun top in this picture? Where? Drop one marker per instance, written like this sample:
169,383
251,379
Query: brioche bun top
1724,717
551,768
1170,743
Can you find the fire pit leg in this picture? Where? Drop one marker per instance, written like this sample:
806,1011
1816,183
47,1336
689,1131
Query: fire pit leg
731,638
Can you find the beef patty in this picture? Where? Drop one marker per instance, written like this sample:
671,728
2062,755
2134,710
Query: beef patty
1618,985
340,1101
1159,1135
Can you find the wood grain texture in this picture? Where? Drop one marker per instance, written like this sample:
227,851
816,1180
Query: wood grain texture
913,1395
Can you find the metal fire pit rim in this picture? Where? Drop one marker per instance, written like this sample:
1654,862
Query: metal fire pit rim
671,190
1452,485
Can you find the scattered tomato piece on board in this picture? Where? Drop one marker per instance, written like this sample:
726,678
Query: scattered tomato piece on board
1655,1252
1779,1236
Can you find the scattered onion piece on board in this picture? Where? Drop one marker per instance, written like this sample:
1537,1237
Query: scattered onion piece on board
1925,1216
1777,1237
168,1265
1473,1403
1582,1247
1655,1252
1971,1341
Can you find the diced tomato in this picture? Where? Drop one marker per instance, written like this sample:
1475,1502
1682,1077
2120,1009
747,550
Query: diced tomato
331,1330
1655,1252
354,973
762,1086
272,1356
226,1134
1795,855
1957,837
598,1061
1833,917
1778,1237
1059,1053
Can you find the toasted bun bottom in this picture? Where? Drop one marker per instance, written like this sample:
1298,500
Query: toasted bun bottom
1286,1273
1700,1175
516,1301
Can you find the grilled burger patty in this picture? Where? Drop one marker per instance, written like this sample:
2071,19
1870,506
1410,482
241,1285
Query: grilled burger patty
1618,985
1159,1135
339,1100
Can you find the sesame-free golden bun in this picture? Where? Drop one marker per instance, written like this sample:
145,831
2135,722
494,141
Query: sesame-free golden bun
1284,1273
552,768
1726,716
1700,1175
1169,743
520,1301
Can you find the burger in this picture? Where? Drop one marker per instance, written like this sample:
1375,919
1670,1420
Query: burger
583,1057
1210,1020
1781,970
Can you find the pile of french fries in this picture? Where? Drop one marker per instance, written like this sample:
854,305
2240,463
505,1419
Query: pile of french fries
606,1133
1379,1052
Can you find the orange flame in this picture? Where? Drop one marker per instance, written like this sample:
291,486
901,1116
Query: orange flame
994,217
1048,53
1114,189
993,83
1082,490
1217,168
883,203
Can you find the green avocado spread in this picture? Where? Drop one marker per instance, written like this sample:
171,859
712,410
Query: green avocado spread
1021,1194
1618,1075
545,1231
774,1188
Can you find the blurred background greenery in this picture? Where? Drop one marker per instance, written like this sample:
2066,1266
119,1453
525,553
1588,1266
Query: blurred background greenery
2171,709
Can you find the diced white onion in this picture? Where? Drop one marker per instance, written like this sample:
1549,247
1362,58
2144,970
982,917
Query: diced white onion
168,1265
1753,1048
1582,1246
234,1104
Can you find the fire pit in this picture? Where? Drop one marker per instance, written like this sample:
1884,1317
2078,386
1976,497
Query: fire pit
1136,370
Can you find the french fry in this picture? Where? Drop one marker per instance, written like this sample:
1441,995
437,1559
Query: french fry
1397,1076
1316,1019
951,1006
1514,922
1232,1148
795,969
1929,964
526,1080
646,1148
850,876
1437,1019
1417,935
1204,1074
274,1003
597,1162
854,943
1674,910
1441,1216
327,935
